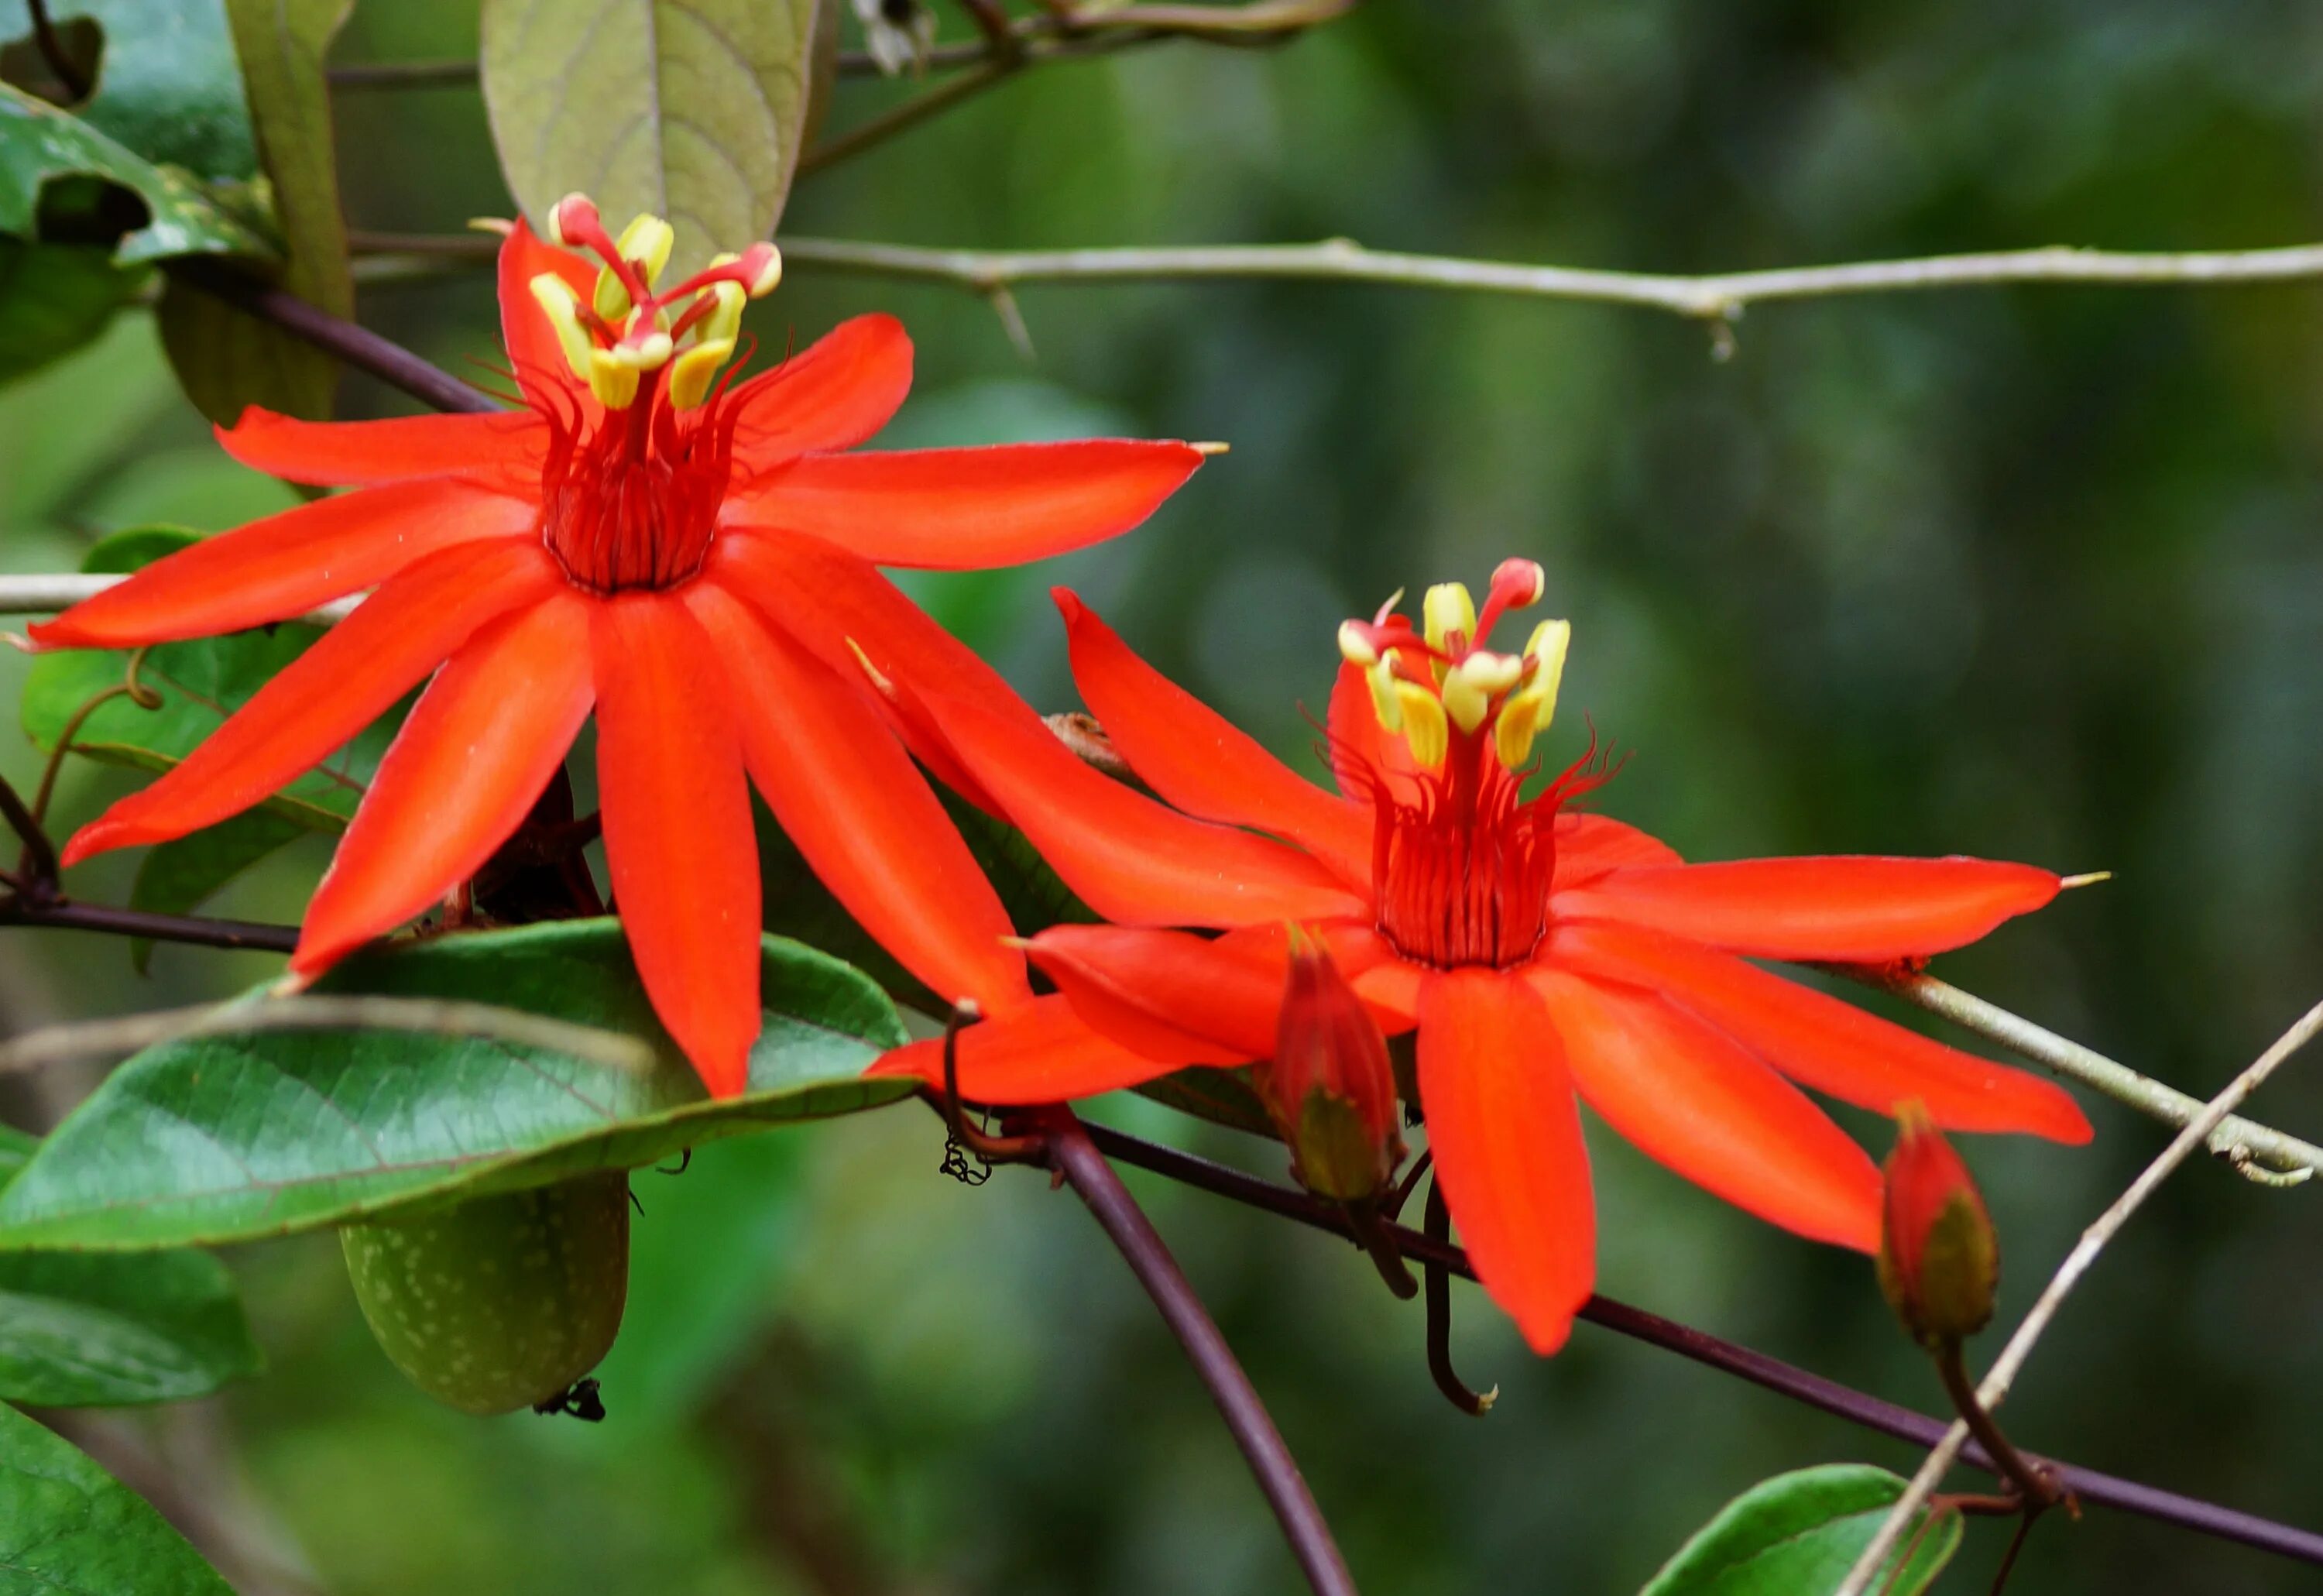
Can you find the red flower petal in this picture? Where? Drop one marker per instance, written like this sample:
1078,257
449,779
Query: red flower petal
836,393
352,676
1362,754
1693,1099
1820,1042
962,509
1130,858
1043,1053
285,565
533,347
1172,995
1190,753
463,774
835,604
678,842
1507,1139
341,454
1869,910
859,810
1589,845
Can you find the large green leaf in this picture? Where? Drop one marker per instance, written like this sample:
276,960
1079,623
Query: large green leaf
1798,1534
200,682
68,1528
691,109
54,297
226,1138
41,144
167,86
227,359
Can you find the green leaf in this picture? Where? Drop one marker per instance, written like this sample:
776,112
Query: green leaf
694,110
88,1330
177,877
166,85
68,1528
228,360
201,682
1798,1534
55,298
226,1138
41,144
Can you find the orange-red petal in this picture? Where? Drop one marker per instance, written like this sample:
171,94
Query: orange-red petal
344,454
1506,1136
1693,1099
1820,1042
962,509
859,810
837,391
1364,756
1194,758
286,564
463,774
533,348
1130,858
352,674
1044,1053
1589,845
1861,909
678,843
1170,995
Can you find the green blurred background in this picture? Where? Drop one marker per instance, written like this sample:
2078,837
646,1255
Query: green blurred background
2030,573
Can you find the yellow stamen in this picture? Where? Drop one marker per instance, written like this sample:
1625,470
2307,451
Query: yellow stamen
614,381
561,306
1528,711
695,370
1355,647
1470,686
1381,679
1425,727
1448,609
645,243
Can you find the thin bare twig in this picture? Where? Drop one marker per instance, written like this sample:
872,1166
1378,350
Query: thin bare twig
52,45
2005,1367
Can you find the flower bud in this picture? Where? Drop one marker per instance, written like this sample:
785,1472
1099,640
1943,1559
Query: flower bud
1939,1258
1329,1088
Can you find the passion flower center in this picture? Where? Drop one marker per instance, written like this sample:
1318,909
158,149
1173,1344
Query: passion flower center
632,501
1461,870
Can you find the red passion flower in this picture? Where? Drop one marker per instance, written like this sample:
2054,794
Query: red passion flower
1539,952
689,556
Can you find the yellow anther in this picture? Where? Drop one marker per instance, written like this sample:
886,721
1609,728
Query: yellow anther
1528,711
613,381
723,322
645,243
1381,679
1425,728
1470,686
1355,645
648,354
1448,609
569,217
695,370
561,306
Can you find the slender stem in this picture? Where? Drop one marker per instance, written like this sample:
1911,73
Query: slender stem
39,869
909,113
2264,1155
2035,1491
66,915
2005,1367
1456,1390
51,46
1772,1374
1075,1158
1716,296
364,350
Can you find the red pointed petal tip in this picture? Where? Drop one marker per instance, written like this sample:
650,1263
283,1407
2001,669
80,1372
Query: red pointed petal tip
967,510
532,344
1851,908
1506,1134
1199,761
1043,1053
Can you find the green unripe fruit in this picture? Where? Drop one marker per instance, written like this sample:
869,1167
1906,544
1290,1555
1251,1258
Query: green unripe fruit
503,1302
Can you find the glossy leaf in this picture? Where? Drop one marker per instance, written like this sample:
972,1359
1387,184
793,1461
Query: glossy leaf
225,358
41,144
201,682
226,1138
167,86
55,298
68,1528
1798,1534
694,110
89,1330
